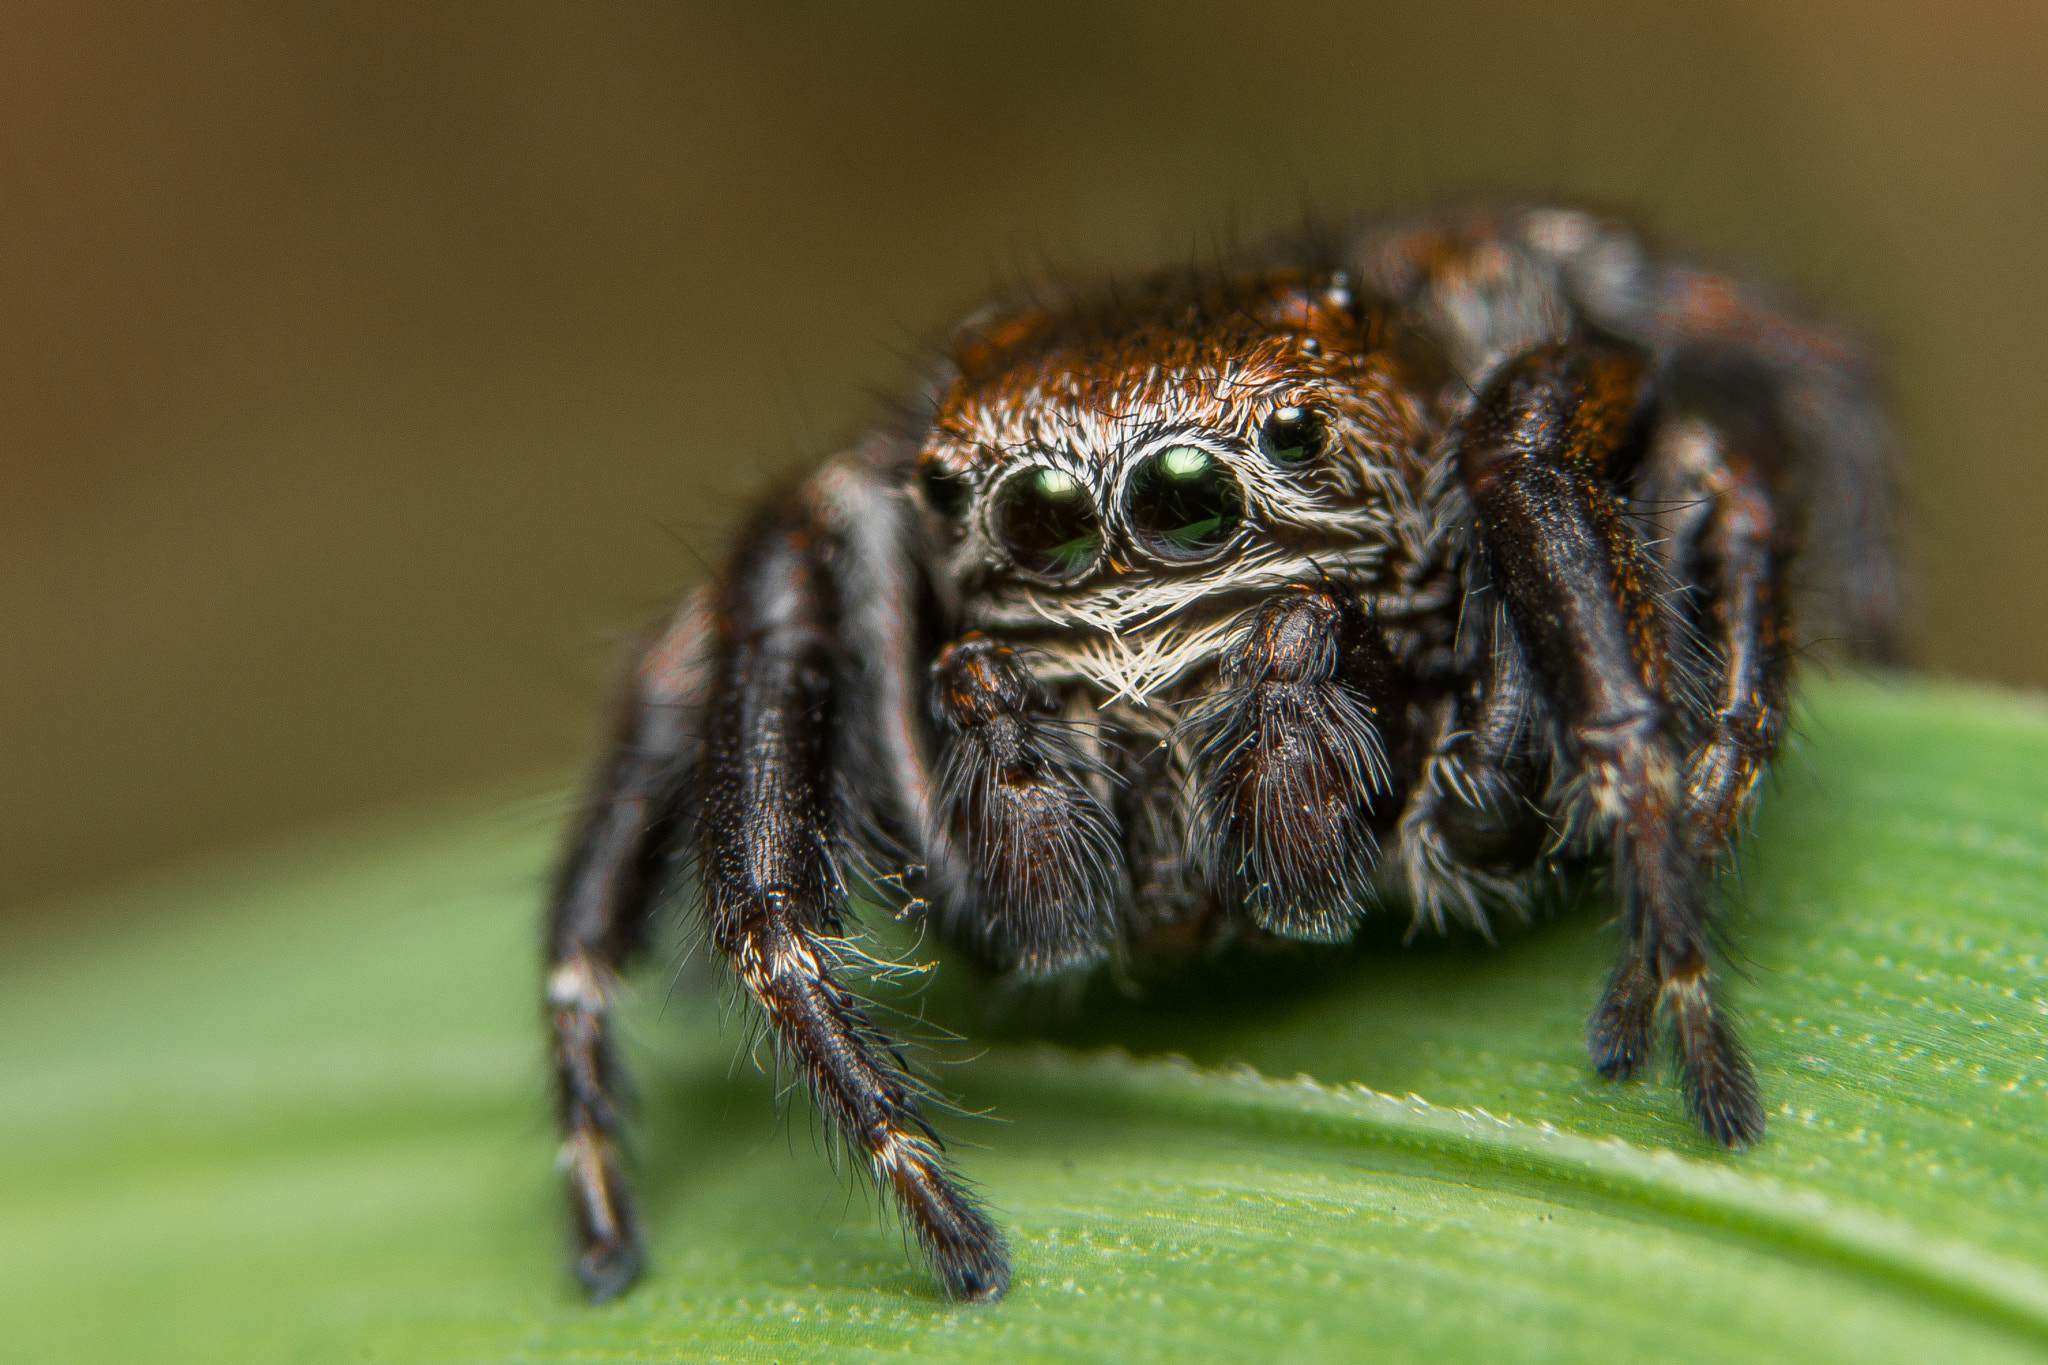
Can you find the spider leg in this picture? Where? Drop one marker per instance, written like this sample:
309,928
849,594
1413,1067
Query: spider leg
1536,454
1740,559
1470,830
1724,531
1295,746
1043,863
765,833
1735,550
1714,474
1750,708
598,920
766,733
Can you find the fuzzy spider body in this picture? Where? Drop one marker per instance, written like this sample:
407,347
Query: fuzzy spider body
1238,605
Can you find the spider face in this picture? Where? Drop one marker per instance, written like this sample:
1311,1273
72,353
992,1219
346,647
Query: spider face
1130,483
1238,606
1147,454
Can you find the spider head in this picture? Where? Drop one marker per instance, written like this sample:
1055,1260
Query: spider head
1164,432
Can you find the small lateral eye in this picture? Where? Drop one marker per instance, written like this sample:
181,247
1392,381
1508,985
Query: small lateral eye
1292,436
1045,519
945,492
1182,502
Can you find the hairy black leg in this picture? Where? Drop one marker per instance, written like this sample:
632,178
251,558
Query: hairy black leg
1718,525
1295,746
1741,557
866,546
765,836
1535,454
597,922
1041,851
1470,832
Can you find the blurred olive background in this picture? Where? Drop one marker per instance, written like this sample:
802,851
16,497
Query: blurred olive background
366,370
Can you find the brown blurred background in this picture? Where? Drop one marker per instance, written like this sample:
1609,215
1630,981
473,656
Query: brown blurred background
365,369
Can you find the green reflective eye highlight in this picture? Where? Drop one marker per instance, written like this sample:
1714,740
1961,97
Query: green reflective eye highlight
1046,521
944,491
1292,436
1182,502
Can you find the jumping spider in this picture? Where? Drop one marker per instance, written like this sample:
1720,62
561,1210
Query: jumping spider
1233,604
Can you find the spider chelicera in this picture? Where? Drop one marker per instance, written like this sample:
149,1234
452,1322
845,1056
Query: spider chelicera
1233,604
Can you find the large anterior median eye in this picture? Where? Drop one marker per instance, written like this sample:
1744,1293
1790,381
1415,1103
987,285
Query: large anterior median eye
1046,520
1183,503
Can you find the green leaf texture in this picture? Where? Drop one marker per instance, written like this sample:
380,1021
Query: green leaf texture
292,1108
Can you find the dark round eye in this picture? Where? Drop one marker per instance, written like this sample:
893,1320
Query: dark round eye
945,492
1292,436
1183,503
1046,520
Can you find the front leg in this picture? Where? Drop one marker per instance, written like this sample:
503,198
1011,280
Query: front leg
765,835
763,736
1537,454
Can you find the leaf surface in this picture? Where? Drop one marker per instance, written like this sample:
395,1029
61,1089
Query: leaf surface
292,1108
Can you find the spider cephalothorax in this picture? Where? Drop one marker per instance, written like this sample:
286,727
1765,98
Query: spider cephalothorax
1241,605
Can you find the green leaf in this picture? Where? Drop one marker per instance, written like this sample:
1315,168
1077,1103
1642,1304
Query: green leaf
293,1108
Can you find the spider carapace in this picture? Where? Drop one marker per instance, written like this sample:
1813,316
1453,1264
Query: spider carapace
1386,575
